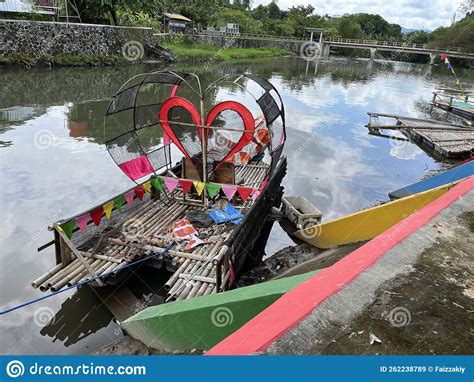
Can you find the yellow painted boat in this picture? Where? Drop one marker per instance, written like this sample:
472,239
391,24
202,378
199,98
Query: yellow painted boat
367,224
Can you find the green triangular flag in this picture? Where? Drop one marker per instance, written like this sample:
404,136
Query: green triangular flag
213,189
119,202
68,227
158,184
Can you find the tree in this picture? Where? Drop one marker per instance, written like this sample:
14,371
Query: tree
348,28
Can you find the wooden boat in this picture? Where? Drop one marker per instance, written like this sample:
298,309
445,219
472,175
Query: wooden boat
231,174
367,224
439,139
455,104
457,172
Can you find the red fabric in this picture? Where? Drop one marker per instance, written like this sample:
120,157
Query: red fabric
244,192
163,115
185,185
137,168
139,191
247,118
96,215
443,56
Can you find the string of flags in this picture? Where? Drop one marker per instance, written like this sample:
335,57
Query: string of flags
162,184
444,57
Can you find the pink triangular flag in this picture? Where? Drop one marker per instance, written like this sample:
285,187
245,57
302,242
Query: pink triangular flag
171,184
81,222
229,191
264,184
255,194
129,196
166,138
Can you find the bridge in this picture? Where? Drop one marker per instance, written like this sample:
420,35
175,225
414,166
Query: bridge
324,44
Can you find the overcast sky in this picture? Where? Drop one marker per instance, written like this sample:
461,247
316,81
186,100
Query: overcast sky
413,14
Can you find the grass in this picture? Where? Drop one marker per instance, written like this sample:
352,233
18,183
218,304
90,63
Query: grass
195,52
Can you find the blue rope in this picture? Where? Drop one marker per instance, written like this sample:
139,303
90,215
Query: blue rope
165,250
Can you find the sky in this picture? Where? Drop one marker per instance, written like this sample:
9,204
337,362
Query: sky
412,14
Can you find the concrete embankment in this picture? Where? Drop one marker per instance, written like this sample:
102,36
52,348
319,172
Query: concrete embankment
407,291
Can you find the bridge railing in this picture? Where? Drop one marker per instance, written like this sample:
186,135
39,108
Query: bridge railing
388,44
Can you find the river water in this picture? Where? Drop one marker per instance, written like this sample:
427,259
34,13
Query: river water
53,164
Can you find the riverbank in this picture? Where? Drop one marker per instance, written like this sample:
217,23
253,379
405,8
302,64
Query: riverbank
196,52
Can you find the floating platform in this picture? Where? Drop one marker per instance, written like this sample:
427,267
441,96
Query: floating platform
458,172
367,224
457,105
204,321
436,138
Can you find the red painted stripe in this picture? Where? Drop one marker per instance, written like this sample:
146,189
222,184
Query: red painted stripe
293,307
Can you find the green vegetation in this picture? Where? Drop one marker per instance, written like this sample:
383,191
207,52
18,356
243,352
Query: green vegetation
460,34
195,52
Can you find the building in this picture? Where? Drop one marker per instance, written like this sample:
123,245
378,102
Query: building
11,9
175,23
230,29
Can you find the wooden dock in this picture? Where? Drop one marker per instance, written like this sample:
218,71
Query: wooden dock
457,105
438,138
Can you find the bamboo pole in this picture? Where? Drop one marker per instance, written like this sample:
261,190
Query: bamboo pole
47,275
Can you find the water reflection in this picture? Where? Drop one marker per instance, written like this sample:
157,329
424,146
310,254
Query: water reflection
333,162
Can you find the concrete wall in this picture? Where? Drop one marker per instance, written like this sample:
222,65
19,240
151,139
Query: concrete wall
238,42
54,39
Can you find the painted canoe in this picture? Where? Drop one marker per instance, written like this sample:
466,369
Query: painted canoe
202,322
367,224
456,173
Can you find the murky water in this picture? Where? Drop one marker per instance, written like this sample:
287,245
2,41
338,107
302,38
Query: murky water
54,164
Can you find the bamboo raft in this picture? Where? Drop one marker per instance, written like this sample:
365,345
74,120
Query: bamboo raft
440,138
142,231
462,107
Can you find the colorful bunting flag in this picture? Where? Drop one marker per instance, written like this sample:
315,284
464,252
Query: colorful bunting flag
108,207
139,191
68,227
171,184
213,189
244,192
443,56
185,185
81,222
229,191
119,202
449,66
129,196
255,194
264,184
157,183
147,187
96,215
446,61
199,186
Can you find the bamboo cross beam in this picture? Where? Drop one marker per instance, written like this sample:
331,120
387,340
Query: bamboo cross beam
77,254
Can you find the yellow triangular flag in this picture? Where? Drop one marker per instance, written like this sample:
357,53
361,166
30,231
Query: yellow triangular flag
147,186
199,186
108,208
458,82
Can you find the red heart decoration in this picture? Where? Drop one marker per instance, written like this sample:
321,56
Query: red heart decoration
244,113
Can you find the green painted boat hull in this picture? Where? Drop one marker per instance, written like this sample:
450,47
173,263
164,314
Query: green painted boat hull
202,322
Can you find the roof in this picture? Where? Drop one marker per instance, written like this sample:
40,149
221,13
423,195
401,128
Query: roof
175,16
22,6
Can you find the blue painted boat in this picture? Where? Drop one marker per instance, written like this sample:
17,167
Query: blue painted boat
456,173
